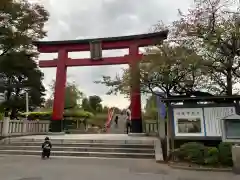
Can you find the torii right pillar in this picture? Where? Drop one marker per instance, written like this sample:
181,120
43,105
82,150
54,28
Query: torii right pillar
135,93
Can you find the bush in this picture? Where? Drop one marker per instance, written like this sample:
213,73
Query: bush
191,152
211,156
197,153
225,154
48,115
98,120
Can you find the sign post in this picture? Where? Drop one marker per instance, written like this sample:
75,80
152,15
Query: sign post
161,109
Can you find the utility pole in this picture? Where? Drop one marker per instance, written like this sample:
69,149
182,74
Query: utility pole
27,105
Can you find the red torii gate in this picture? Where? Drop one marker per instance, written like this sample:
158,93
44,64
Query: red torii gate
95,46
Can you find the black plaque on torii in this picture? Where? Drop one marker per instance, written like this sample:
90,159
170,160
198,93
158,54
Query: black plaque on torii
96,50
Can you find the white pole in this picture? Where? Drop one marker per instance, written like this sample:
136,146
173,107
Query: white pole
27,105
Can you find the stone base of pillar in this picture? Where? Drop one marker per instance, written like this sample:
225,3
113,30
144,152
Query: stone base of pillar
56,133
56,126
136,126
137,134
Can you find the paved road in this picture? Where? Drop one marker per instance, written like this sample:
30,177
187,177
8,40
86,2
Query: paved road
33,168
120,129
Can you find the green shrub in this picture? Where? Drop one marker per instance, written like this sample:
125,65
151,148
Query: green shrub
211,156
191,152
48,115
98,120
197,153
225,154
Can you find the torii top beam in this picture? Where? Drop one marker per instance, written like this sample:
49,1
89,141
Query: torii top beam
120,42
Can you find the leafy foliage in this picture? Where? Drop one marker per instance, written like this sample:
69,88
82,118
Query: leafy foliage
200,58
48,115
213,30
197,153
21,23
166,68
212,156
95,103
192,152
98,120
92,104
151,108
225,153
73,96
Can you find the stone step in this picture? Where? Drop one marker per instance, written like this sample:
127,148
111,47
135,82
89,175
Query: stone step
80,149
82,154
67,144
77,141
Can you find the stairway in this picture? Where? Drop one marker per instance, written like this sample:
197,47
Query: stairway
81,148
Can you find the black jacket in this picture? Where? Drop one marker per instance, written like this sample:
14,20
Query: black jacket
47,145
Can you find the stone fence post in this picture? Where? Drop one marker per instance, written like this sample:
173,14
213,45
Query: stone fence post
24,126
5,128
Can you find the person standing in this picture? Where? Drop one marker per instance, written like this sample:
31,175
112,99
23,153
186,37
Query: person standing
128,120
116,121
85,124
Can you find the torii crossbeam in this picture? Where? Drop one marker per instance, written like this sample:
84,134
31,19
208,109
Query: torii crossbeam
95,46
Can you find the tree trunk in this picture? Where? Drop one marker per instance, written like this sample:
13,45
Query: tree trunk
229,82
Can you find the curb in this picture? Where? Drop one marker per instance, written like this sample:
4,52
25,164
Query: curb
174,166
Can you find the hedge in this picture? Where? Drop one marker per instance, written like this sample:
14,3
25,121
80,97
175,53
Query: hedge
48,115
197,153
98,120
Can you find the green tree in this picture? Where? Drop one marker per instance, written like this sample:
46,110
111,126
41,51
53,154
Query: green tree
21,23
105,109
117,110
151,108
85,105
48,104
202,59
92,104
212,29
95,103
166,68
73,96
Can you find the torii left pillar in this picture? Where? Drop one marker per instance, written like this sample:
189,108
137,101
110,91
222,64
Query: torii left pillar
59,93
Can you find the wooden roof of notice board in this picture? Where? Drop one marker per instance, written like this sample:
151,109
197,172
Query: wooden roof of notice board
201,99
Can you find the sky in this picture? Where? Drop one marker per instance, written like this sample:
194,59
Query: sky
80,19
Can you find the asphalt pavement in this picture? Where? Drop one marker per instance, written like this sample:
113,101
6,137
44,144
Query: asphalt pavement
34,168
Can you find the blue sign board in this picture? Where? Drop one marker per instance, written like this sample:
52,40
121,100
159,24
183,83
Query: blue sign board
161,106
